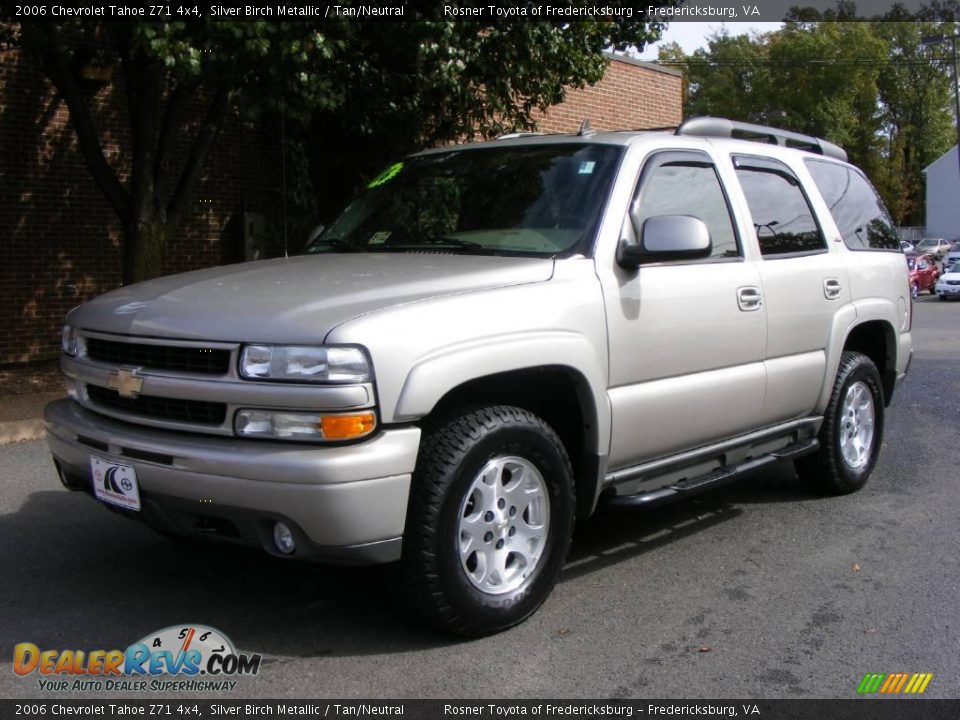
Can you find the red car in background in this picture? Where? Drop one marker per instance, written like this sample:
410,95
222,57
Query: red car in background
923,273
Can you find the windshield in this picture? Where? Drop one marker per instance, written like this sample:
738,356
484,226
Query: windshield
540,200
928,243
955,268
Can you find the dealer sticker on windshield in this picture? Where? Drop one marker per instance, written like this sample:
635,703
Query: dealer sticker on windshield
115,484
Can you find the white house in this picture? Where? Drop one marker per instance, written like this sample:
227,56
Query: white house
943,196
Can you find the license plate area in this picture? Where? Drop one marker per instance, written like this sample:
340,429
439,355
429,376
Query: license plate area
115,484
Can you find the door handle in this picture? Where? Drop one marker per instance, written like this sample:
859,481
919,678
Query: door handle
749,298
831,288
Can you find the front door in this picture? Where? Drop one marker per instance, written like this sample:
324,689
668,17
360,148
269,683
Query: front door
687,338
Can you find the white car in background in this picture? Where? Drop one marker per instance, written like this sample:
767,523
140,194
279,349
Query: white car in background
952,256
938,247
906,246
948,286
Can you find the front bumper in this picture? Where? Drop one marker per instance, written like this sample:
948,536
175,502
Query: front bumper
344,503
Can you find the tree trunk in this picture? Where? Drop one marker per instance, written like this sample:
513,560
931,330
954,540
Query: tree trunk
144,248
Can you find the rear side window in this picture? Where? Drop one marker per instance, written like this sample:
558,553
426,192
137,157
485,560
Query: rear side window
782,216
862,219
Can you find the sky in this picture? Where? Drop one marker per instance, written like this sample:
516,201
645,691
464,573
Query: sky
693,35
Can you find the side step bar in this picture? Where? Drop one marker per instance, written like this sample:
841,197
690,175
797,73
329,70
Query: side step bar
718,478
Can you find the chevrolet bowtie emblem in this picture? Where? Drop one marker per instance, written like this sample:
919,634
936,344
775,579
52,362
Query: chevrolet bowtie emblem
126,382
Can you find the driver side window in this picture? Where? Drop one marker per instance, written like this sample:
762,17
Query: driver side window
687,183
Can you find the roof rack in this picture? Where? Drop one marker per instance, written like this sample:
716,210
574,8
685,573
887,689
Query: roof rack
665,128
724,128
512,135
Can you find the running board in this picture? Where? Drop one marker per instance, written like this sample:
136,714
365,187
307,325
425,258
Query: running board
717,478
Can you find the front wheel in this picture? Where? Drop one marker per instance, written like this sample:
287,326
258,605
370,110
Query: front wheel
489,522
852,430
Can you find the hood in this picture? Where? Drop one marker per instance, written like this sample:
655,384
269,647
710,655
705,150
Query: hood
954,276
294,300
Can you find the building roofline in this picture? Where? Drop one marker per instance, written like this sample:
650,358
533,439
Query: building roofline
948,152
656,67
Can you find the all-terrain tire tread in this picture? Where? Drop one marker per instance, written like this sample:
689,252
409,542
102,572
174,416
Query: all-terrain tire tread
441,451
821,471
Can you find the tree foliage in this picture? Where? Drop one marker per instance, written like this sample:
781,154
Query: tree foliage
393,87
870,87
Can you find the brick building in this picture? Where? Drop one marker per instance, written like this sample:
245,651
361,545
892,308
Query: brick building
61,241
632,95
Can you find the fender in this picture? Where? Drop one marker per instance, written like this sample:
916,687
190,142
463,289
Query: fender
436,374
844,322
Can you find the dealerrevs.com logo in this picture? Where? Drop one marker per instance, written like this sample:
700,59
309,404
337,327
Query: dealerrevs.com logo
198,657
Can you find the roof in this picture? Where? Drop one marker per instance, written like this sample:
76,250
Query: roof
669,138
655,67
951,153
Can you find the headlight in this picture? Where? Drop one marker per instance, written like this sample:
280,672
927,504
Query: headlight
305,363
68,340
287,425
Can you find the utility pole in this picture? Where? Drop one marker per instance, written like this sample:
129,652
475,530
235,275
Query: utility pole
937,40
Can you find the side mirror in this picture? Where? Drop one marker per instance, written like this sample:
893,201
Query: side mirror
666,237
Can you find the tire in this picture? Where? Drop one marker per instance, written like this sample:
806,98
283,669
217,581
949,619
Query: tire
462,572
847,455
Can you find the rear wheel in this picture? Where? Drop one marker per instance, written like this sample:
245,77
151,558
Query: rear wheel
489,522
851,432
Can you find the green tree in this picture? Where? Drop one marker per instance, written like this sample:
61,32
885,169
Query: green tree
729,78
162,68
867,86
403,84
824,77
918,125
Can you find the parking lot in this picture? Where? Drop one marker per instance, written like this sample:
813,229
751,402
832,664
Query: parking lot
758,590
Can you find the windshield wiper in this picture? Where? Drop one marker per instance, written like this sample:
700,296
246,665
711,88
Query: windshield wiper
438,240
334,242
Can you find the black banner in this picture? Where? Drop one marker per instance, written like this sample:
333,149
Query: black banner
858,709
479,11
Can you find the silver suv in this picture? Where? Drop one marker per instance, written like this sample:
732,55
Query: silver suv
492,341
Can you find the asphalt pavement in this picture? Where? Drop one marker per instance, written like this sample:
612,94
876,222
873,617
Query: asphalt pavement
757,590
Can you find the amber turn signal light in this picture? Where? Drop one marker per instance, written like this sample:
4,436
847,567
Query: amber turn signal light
347,427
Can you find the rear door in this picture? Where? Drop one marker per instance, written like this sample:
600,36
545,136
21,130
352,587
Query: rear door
804,284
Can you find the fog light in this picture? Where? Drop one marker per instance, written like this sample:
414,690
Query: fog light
283,539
